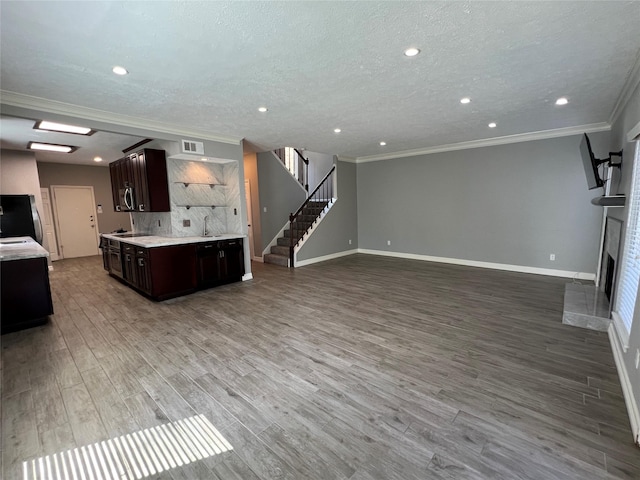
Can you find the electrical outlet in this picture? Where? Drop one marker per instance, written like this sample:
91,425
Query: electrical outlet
637,358
388,242
349,241
552,257
186,223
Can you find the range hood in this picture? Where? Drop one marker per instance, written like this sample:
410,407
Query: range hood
610,201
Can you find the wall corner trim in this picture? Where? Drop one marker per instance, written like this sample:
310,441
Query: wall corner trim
489,265
625,382
324,258
490,142
19,100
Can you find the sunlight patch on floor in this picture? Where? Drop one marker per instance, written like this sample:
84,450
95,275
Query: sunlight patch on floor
135,455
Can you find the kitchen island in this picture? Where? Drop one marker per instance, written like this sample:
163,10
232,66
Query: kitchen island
24,284
163,267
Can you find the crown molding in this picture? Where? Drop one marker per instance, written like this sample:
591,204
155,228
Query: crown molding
344,158
630,85
60,108
489,142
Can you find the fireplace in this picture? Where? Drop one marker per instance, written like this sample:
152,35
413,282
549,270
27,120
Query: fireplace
609,276
610,257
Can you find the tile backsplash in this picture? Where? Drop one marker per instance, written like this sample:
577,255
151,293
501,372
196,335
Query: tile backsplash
197,190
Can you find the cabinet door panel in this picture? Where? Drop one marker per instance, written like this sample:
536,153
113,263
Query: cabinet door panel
114,172
143,274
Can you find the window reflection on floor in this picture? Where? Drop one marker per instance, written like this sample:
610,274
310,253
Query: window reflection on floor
133,456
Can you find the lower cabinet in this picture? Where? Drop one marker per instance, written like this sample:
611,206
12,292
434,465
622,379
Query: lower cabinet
160,272
166,272
219,262
25,300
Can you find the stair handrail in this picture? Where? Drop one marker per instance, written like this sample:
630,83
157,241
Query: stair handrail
327,189
302,179
306,169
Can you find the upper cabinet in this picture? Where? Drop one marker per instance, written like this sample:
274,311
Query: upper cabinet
139,182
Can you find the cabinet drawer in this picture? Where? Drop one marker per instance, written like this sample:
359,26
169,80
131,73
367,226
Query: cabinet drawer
130,249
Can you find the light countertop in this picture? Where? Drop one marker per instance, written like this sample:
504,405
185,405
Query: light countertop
20,248
151,241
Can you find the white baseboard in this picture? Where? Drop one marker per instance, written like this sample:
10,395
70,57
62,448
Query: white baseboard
309,261
247,276
493,266
625,382
258,259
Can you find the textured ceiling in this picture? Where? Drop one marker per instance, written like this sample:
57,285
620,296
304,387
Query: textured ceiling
321,65
18,132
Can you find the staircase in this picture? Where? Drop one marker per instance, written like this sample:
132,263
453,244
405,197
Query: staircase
301,222
280,253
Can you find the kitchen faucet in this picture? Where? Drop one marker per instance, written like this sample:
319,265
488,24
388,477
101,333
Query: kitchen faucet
205,232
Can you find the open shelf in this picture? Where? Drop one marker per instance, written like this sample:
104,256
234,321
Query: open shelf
211,185
201,206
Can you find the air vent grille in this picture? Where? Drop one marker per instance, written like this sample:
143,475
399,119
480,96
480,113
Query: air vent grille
189,146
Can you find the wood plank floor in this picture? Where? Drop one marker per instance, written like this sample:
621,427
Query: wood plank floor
359,368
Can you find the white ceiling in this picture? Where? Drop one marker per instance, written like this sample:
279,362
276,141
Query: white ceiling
16,133
322,65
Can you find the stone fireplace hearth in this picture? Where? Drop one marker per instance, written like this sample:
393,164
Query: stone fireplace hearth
589,306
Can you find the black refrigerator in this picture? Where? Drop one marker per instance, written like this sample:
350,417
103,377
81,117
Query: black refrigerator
19,217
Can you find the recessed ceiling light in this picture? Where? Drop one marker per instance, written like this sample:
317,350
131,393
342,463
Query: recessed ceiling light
336,130
562,101
263,109
382,144
411,52
61,127
493,125
97,159
118,70
50,147
465,100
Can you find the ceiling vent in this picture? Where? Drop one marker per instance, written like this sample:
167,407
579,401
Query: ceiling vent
192,147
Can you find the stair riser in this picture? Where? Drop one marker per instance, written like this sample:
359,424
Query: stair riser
276,259
297,234
280,250
283,242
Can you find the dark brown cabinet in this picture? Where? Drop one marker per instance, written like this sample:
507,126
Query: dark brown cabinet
25,294
171,271
139,182
219,262
159,272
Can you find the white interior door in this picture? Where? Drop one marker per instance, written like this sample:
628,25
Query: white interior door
247,194
47,224
75,220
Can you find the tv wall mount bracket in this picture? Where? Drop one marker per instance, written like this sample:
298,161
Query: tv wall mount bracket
608,160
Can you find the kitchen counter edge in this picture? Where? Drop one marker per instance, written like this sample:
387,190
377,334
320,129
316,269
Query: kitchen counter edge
26,248
151,241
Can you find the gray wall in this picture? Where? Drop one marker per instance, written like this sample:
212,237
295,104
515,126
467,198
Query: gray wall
86,175
279,192
19,175
341,222
319,166
511,204
251,174
627,120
